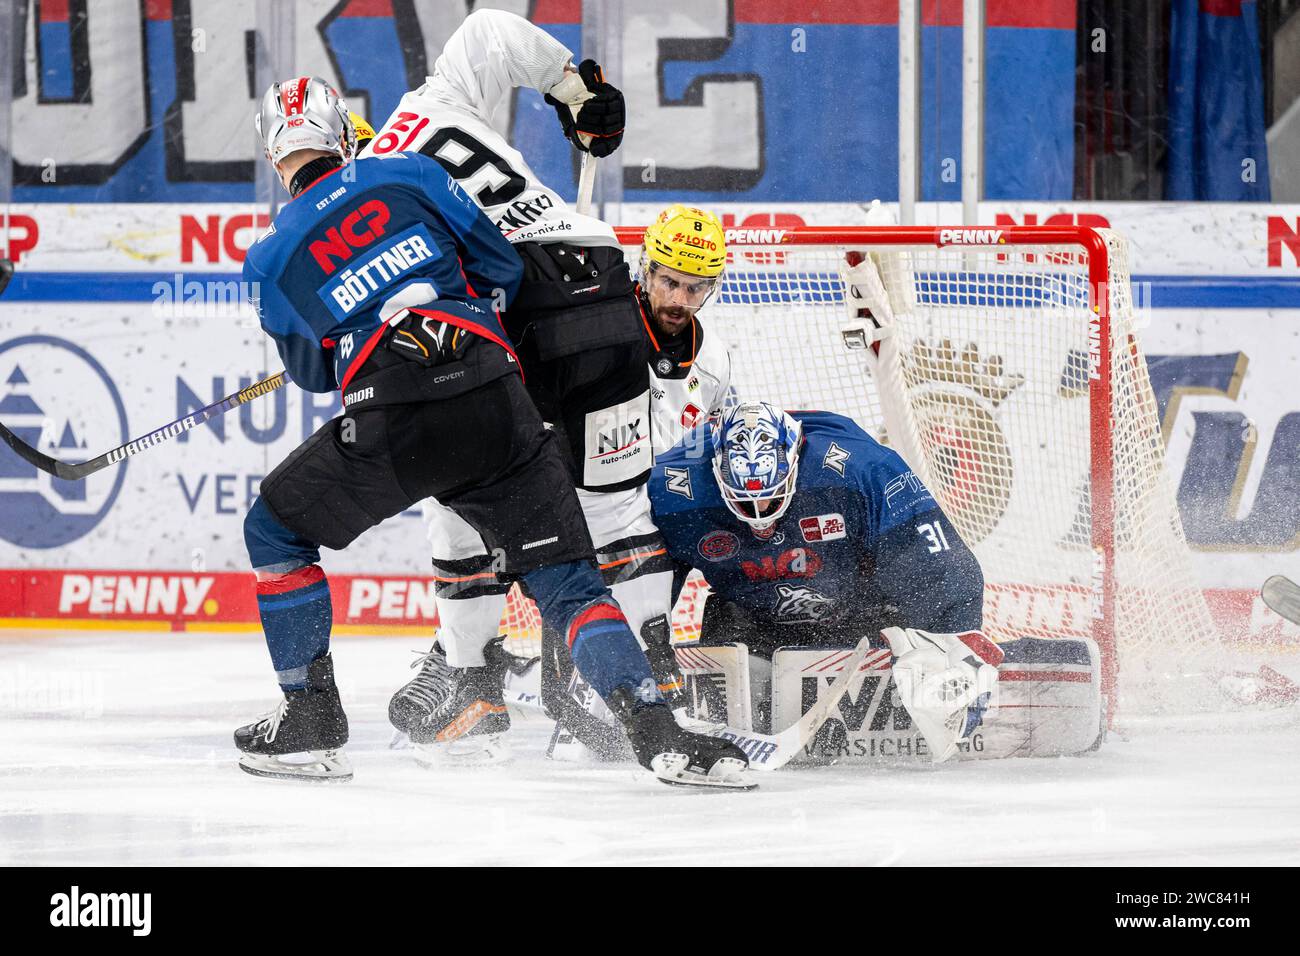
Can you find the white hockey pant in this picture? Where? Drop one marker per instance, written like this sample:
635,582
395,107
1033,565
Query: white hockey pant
471,598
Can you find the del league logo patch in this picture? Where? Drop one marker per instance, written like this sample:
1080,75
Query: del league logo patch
822,527
718,545
691,416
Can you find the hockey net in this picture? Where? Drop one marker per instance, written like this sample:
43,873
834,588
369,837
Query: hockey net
1004,366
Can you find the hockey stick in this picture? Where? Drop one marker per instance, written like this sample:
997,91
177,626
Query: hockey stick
1282,595
773,751
6,273
586,183
75,472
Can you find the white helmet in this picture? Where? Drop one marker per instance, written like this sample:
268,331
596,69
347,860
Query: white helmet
304,113
756,463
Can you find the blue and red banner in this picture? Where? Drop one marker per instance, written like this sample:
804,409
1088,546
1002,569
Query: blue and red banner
747,100
1217,149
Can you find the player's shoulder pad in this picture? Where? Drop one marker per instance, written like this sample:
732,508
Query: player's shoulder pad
442,187
837,449
840,452
682,479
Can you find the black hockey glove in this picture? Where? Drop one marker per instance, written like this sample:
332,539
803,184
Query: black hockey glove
593,121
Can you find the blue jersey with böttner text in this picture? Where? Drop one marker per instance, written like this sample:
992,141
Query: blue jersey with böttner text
383,230
862,540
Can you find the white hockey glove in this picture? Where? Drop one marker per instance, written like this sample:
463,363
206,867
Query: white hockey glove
945,682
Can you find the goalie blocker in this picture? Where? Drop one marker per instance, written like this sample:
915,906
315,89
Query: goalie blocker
1046,702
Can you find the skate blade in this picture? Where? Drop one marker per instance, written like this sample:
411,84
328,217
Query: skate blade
463,752
315,766
727,773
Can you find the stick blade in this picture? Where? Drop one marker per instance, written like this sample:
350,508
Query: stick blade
1282,595
51,466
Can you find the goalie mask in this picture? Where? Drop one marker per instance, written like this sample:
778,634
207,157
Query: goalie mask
756,463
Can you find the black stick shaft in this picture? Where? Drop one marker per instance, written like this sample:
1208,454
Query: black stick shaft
75,472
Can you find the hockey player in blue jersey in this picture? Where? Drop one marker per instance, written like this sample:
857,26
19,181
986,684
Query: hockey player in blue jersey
382,279
809,532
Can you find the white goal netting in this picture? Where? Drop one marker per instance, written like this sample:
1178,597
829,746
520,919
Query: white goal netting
989,380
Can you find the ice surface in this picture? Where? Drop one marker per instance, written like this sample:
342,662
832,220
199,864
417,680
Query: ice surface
115,749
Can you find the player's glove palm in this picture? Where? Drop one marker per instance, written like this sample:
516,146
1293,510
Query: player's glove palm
591,111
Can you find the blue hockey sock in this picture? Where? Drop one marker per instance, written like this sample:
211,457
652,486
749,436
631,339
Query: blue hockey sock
574,602
296,616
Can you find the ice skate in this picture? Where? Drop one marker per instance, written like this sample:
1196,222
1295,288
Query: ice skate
302,738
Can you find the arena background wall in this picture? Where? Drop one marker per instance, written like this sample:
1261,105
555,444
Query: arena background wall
134,202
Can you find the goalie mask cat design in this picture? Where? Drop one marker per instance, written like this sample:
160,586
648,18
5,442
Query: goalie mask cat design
756,463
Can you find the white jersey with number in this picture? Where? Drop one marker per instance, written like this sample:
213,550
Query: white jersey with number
684,396
449,119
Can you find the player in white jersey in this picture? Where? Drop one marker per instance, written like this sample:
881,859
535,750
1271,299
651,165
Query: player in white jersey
575,324
682,261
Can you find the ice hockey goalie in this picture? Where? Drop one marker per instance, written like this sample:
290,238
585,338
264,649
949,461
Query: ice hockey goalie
811,534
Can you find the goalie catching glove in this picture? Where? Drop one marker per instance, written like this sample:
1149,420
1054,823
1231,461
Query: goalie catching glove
591,111
944,681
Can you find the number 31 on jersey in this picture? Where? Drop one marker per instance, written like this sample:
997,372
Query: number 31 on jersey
935,540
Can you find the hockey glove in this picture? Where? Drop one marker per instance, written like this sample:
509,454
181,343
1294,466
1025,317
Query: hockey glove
591,111
945,682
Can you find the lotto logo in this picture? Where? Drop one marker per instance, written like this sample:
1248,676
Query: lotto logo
822,527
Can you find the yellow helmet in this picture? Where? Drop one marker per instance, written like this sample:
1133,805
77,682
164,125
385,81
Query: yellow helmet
365,132
686,239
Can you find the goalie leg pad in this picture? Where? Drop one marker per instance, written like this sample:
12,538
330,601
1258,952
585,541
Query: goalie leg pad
1049,700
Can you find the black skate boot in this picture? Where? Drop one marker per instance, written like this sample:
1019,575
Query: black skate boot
302,738
677,756
472,716
425,692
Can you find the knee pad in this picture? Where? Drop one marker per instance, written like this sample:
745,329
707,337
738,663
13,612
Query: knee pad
272,546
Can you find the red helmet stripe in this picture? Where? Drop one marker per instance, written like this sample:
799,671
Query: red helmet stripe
300,94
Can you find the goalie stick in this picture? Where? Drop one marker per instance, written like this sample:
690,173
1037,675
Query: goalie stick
75,472
774,751
1282,595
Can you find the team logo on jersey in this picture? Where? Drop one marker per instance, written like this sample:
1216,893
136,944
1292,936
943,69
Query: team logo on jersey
822,527
678,481
663,366
693,384
718,546
835,459
691,416
799,604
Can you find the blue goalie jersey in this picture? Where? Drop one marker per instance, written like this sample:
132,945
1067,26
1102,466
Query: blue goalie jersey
862,546
374,237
